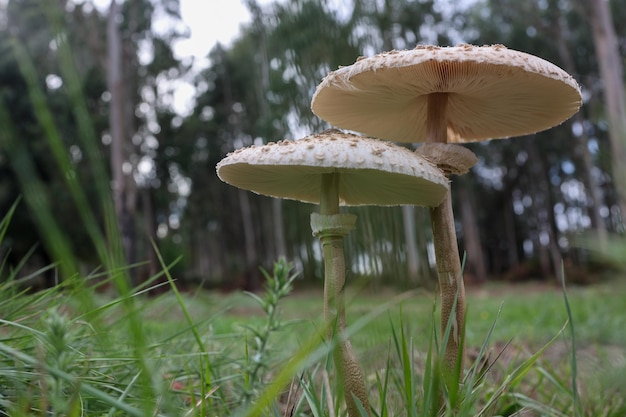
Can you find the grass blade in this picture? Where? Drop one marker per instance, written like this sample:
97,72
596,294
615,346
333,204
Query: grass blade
573,362
205,365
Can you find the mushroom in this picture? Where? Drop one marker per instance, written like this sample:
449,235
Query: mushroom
454,94
333,168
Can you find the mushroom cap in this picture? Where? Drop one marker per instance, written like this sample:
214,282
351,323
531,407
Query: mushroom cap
449,157
372,172
493,92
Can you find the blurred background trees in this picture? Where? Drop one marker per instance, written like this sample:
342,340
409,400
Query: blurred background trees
519,210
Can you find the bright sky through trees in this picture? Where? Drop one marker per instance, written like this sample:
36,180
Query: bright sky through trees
208,22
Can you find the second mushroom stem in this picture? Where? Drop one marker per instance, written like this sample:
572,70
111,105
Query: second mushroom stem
331,227
451,285
450,282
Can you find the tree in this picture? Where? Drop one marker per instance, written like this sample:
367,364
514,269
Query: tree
42,28
35,83
259,89
117,110
138,94
548,30
612,72
558,25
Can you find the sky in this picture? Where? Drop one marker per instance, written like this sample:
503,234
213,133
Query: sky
210,21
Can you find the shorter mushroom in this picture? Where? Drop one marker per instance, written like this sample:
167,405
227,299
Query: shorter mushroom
332,169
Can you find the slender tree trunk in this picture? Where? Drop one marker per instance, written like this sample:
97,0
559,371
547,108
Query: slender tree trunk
115,83
130,70
549,253
544,257
116,112
207,252
552,229
264,113
410,242
511,234
425,270
250,251
279,228
475,263
612,73
248,228
591,183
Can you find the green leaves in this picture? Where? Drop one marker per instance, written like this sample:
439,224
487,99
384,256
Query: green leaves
258,353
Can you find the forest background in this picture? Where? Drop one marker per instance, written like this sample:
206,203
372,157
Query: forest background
108,78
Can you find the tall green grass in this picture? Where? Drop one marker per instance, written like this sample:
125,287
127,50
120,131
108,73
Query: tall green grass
208,358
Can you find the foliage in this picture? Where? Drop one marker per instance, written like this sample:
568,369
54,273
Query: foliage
260,352
528,195
537,191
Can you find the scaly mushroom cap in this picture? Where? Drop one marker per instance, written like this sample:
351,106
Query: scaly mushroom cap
372,172
493,92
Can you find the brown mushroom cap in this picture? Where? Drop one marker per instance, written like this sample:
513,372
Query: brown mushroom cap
372,172
493,92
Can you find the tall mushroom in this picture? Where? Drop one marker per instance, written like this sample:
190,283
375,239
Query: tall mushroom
447,94
334,168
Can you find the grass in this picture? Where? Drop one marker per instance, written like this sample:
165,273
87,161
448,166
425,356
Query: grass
530,312
210,353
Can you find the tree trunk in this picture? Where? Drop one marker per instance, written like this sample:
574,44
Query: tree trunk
549,253
248,229
410,242
251,256
475,258
280,247
279,228
131,69
115,83
511,234
612,72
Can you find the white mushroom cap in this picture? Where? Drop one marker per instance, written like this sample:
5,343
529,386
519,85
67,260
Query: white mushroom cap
493,92
372,172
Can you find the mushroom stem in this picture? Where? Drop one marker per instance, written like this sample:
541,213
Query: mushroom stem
451,285
329,198
436,120
331,227
450,280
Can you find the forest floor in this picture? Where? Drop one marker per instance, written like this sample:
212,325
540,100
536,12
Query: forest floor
511,322
526,316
